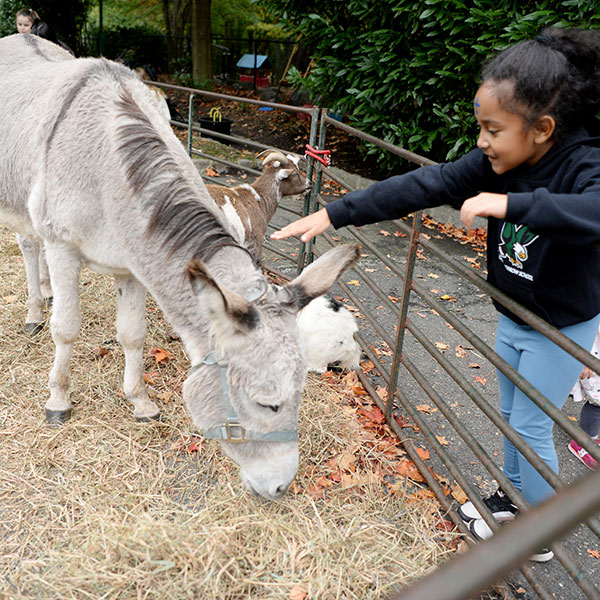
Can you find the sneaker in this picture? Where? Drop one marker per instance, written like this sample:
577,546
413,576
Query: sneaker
481,531
500,506
582,454
543,555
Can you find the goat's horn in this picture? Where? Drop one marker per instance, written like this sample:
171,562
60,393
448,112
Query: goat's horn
270,154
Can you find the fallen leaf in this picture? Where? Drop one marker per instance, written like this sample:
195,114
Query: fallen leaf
441,346
448,298
382,393
458,493
442,440
384,232
572,418
211,172
433,276
298,592
425,408
460,352
398,234
315,492
10,299
424,454
407,468
160,355
100,351
474,366
481,380
594,553
353,282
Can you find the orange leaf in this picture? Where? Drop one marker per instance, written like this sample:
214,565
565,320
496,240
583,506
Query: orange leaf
298,592
458,493
594,553
211,172
382,393
384,232
315,492
481,380
442,440
160,355
460,352
353,282
424,454
425,408
407,468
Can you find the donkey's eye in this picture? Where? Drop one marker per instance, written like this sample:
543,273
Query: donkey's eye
273,407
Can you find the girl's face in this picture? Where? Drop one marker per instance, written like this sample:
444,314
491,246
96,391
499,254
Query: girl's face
506,138
24,24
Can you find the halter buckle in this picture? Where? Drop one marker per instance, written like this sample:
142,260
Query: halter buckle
236,434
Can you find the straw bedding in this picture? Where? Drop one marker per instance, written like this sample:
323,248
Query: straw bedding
104,507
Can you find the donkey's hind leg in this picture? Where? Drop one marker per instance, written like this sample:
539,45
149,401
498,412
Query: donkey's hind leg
131,331
65,265
31,250
45,286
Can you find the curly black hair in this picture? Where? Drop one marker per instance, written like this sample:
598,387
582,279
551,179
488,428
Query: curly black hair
556,74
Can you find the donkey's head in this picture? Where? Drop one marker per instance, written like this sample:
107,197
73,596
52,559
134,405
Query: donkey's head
247,390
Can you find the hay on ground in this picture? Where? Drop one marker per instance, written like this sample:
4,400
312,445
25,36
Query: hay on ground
105,507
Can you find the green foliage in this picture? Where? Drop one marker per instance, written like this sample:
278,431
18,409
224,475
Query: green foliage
406,70
65,17
128,14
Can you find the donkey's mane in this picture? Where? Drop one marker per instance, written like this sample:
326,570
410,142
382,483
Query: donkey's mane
177,212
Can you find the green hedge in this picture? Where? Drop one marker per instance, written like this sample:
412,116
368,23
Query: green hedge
406,71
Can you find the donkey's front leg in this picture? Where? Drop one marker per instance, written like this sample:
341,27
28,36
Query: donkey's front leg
64,265
31,250
131,331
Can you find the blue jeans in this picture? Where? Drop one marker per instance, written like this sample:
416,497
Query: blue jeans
553,372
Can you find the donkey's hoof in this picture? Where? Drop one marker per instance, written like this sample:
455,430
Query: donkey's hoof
33,328
49,301
58,417
149,419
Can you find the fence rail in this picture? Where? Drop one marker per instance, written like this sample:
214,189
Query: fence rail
407,370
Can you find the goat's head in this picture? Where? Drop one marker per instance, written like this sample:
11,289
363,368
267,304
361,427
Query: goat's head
285,170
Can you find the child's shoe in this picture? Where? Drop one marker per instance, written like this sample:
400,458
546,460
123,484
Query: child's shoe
583,455
481,531
500,506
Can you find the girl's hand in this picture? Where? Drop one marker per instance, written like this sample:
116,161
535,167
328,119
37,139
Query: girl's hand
306,227
586,373
483,205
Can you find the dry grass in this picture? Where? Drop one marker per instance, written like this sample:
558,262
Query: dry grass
104,507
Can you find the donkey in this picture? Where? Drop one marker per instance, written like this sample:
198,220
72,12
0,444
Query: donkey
91,167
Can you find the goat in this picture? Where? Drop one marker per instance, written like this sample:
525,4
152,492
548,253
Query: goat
326,327
327,333
250,207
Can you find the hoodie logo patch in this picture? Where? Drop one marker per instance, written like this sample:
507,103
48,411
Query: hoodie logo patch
512,249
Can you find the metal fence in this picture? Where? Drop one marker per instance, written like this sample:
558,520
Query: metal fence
414,369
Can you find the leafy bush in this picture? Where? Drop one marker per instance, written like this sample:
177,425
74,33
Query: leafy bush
405,70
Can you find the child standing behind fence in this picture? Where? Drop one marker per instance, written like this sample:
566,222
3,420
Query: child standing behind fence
588,389
536,175
25,18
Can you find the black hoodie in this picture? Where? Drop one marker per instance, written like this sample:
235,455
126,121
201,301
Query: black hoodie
544,254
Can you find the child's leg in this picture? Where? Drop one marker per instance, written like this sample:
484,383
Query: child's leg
553,372
505,349
589,420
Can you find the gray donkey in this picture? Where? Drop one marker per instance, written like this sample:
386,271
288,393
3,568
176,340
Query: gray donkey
91,167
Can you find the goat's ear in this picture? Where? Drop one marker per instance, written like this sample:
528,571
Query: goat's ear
318,278
230,313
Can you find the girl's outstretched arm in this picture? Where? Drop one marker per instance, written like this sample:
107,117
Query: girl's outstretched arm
307,227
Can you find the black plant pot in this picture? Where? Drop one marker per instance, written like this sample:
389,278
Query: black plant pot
222,126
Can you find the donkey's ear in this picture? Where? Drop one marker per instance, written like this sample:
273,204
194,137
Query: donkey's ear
230,312
318,278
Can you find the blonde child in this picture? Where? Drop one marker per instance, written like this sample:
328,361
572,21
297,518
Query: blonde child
536,175
25,19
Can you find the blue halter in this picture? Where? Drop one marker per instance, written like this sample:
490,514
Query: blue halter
232,430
